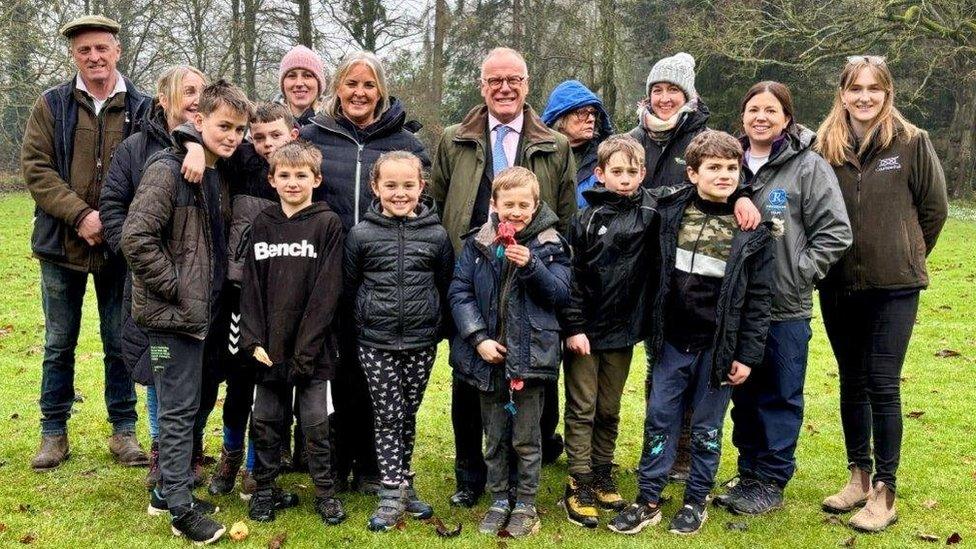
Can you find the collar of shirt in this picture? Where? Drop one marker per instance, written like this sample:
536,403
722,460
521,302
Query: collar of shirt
515,124
119,88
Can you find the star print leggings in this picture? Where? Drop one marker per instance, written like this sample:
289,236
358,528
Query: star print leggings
397,380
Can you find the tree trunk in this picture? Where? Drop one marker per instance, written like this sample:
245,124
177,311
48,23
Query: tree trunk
960,158
235,40
517,32
305,23
248,39
437,56
608,46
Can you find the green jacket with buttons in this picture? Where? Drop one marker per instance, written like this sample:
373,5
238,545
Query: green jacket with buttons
460,161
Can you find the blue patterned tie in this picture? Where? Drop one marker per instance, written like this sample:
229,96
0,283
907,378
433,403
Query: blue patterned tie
498,159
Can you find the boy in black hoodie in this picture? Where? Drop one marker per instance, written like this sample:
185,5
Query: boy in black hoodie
613,245
292,282
175,240
714,298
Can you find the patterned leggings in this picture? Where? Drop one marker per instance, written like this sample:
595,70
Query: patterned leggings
397,380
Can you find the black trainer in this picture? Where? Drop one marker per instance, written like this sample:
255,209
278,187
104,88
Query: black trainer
265,503
733,489
197,527
756,498
157,505
464,498
689,519
330,509
635,517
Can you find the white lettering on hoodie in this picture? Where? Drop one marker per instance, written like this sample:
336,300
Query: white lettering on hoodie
263,250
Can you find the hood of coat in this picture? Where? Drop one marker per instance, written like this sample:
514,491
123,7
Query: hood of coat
426,214
156,124
475,126
392,121
787,146
572,95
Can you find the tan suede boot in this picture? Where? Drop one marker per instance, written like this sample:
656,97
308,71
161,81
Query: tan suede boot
879,512
852,496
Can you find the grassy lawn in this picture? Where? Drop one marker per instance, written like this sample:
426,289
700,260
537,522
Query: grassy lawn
91,502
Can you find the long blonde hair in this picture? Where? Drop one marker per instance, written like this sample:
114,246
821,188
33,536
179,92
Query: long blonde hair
170,87
835,137
333,107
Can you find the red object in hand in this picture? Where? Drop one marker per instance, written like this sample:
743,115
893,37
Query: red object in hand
506,234
516,384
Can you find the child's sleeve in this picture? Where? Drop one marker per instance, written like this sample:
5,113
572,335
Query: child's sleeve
468,319
142,230
443,272
548,275
756,309
572,317
253,307
116,195
322,302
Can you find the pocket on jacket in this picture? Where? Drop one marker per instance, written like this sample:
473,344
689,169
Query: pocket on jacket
546,348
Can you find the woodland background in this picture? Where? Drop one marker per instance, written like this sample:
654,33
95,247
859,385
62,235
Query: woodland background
433,49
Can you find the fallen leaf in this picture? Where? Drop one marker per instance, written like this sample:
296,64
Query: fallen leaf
736,526
931,538
7,330
239,531
3,527
945,307
947,353
15,415
903,379
442,530
278,541
28,538
915,414
954,539
833,519
832,374
25,508
929,503
812,430
849,542
504,533
401,525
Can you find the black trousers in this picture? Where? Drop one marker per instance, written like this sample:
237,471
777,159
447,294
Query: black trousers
353,422
272,409
869,332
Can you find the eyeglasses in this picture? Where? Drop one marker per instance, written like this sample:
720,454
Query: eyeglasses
582,115
495,83
878,60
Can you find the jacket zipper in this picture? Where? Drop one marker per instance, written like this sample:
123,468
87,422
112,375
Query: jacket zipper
359,169
401,251
854,251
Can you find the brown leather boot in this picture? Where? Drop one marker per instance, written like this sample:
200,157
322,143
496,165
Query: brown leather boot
127,451
878,513
852,495
52,453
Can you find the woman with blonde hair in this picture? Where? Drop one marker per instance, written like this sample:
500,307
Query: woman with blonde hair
358,122
177,93
895,192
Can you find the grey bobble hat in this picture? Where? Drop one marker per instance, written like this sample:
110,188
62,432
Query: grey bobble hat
679,69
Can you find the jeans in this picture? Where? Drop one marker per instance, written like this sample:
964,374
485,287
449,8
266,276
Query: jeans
272,409
152,411
62,295
520,435
869,332
767,410
594,386
682,381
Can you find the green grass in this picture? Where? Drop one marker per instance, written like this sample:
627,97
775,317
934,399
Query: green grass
91,502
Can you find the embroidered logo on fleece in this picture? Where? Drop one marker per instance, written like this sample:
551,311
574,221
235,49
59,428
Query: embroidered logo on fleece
888,164
263,250
776,203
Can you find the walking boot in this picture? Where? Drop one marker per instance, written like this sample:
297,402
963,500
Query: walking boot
579,501
389,510
879,511
222,481
854,494
126,450
52,453
607,495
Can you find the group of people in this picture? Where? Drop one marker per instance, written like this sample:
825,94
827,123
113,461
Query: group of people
298,250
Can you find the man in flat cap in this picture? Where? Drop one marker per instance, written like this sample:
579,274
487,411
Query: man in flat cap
68,143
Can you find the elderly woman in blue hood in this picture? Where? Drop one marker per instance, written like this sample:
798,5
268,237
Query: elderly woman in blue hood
576,112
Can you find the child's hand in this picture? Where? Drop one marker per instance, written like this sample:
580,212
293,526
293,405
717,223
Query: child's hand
262,356
492,351
194,164
747,214
518,254
739,373
579,344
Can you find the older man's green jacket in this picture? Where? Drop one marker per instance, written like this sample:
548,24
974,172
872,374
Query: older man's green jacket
461,160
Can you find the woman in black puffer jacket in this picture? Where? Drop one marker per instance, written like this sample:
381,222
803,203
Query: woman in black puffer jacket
359,122
397,267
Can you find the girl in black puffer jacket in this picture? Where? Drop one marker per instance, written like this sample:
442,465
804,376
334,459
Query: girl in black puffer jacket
398,265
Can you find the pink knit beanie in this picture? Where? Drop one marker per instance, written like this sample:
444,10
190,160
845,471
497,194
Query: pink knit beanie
301,57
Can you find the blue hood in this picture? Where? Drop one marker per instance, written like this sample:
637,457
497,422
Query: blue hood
571,95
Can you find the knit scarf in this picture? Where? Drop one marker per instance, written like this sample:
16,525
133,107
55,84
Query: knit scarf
660,130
